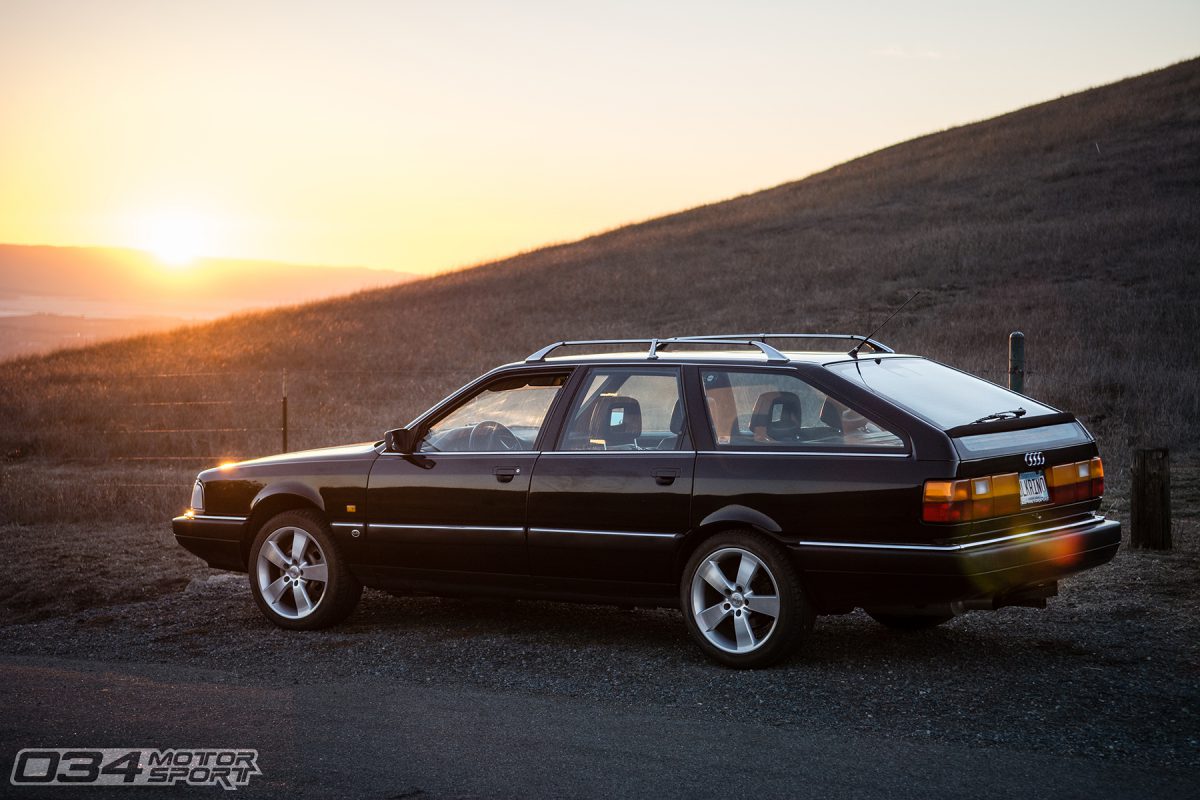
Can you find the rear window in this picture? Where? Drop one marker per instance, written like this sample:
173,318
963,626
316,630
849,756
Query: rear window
942,395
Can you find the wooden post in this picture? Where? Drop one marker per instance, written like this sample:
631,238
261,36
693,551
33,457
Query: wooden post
285,446
1150,506
1016,362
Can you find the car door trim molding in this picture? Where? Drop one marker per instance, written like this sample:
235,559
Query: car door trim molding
390,526
620,452
833,453
642,534
441,453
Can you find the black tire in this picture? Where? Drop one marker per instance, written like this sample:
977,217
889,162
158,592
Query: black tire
331,600
770,639
908,622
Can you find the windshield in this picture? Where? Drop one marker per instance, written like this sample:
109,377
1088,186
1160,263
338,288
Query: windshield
942,395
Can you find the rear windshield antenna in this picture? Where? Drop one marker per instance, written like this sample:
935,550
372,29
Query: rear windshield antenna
854,353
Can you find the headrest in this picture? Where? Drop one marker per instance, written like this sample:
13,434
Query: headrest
777,416
831,414
616,416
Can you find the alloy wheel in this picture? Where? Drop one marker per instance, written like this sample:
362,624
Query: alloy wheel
735,600
292,572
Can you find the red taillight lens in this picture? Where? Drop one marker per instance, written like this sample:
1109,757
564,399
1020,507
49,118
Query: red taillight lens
947,501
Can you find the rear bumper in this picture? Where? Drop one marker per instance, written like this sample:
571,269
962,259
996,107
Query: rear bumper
217,540
851,574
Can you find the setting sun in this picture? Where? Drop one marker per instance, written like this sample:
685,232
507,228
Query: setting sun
175,239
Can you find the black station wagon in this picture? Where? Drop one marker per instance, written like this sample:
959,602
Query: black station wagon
751,487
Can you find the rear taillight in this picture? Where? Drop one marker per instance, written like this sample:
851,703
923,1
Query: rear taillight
947,501
1000,495
1070,483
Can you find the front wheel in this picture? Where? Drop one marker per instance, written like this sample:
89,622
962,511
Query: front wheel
742,601
297,575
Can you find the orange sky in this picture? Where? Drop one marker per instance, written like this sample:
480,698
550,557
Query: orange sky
422,137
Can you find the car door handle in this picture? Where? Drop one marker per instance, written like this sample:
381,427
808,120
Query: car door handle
506,474
665,476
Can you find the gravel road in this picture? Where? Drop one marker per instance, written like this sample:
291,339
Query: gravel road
1108,673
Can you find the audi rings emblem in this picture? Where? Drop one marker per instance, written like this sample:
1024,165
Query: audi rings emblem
1035,459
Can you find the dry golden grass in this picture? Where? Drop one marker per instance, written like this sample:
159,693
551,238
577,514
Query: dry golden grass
1076,221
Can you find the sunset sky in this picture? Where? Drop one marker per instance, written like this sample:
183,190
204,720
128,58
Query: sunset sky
428,136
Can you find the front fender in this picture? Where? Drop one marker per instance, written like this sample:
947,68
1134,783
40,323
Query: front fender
296,488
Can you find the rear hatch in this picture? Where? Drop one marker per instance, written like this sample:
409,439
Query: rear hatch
1027,476
1024,465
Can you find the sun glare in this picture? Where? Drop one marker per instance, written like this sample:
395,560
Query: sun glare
176,240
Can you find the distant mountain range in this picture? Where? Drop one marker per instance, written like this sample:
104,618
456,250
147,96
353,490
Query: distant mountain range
58,296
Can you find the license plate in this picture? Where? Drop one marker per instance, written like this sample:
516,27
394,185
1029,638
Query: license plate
1033,488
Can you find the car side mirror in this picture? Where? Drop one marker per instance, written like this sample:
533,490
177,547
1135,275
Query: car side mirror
399,440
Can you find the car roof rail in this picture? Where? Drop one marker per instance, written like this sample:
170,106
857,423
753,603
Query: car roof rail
541,355
655,345
874,344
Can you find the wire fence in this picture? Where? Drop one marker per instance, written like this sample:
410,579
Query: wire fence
189,418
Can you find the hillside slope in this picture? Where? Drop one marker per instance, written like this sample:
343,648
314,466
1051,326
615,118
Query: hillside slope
1076,221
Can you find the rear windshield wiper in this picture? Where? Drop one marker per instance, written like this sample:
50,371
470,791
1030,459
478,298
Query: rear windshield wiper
1016,413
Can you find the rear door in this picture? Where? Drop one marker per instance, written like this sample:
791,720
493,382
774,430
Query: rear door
610,499
777,445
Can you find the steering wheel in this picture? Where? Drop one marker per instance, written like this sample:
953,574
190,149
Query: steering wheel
491,435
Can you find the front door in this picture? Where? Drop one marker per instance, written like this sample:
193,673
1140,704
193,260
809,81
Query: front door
609,501
454,510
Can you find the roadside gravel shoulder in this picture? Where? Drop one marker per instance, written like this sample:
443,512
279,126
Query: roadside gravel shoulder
1108,670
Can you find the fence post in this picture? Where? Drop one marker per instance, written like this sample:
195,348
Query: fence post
1150,501
285,424
1016,362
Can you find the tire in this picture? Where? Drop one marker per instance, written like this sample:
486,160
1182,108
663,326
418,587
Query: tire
908,622
722,616
295,560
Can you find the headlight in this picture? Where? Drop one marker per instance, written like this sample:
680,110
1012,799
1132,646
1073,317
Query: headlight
198,497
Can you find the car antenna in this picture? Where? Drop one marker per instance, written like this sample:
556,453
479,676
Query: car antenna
854,352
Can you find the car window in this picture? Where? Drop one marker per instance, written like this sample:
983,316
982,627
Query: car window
944,396
627,409
504,415
756,408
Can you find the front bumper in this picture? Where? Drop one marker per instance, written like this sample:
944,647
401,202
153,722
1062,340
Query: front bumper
218,540
842,574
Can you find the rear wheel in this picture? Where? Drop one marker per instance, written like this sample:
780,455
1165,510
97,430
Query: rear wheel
742,601
297,574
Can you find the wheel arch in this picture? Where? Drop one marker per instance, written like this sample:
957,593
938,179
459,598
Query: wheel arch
731,517
276,500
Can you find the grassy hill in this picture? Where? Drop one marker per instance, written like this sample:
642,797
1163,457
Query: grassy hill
1076,221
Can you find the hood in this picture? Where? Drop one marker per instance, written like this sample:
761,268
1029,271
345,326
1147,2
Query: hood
348,452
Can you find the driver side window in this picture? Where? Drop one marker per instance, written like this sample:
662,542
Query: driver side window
505,415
